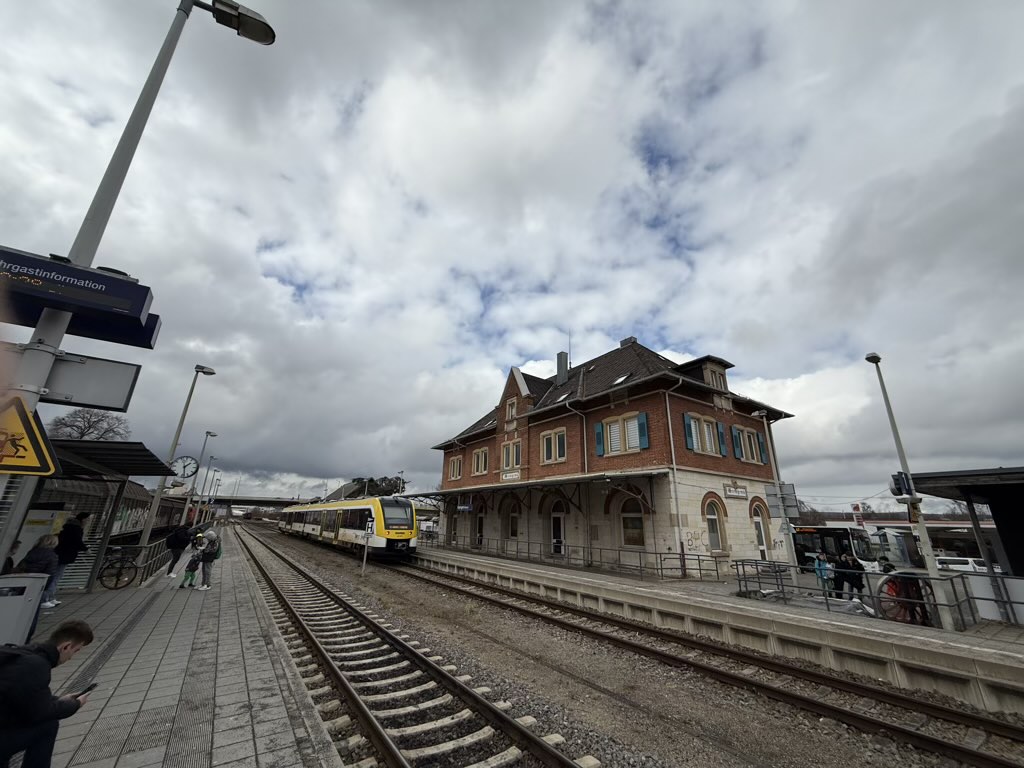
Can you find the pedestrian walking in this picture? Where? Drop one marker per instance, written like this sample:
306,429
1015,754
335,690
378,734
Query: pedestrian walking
70,544
211,552
824,571
177,543
42,558
30,714
853,575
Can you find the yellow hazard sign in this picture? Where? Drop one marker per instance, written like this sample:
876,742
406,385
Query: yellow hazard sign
24,449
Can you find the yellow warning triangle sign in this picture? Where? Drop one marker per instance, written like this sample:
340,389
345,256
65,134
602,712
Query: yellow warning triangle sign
24,449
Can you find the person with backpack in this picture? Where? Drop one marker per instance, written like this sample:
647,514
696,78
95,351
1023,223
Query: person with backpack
177,543
211,552
30,714
70,544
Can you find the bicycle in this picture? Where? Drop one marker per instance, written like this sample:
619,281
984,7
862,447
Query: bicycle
118,570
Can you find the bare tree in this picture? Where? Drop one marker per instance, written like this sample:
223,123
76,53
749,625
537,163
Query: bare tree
89,424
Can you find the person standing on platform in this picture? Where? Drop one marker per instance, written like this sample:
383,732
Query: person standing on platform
30,714
70,544
42,559
824,571
854,575
177,542
211,552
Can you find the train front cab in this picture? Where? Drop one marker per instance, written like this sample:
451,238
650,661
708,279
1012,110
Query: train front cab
395,528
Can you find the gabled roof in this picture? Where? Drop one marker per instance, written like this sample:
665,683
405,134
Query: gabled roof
629,363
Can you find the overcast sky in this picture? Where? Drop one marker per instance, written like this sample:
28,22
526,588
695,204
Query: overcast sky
363,226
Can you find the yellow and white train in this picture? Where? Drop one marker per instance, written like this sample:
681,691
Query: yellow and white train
390,522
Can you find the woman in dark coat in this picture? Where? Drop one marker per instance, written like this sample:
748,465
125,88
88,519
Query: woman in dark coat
70,544
853,574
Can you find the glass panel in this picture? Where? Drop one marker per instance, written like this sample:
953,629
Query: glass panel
548,447
632,434
397,514
517,449
714,539
709,437
633,531
613,430
560,439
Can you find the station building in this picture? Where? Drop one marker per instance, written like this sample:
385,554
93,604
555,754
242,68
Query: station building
629,459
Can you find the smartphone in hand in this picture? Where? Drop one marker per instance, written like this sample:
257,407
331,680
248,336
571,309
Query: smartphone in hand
89,688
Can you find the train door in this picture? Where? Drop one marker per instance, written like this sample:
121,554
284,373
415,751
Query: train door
557,531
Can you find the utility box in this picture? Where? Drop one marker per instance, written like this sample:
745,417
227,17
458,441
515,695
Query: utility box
20,594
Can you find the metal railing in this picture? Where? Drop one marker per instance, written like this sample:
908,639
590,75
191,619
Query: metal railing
907,596
641,563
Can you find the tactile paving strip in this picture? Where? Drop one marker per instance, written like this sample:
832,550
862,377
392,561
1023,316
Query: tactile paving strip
151,729
105,740
93,666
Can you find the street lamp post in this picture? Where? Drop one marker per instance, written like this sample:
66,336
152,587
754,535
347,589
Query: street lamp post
39,354
192,490
913,503
154,507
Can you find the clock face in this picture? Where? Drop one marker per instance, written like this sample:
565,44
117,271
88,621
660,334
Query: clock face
185,466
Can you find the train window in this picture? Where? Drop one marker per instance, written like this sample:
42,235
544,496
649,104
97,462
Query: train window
331,522
397,514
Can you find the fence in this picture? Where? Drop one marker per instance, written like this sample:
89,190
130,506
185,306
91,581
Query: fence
641,563
905,596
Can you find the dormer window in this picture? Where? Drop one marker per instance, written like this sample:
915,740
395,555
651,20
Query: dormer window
510,410
715,377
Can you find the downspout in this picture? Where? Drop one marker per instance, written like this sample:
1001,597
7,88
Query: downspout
675,496
586,466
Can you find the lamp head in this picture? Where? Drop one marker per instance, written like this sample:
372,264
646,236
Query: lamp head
205,370
210,434
760,414
245,21
873,357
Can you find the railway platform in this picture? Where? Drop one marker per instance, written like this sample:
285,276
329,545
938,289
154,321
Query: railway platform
984,668
186,679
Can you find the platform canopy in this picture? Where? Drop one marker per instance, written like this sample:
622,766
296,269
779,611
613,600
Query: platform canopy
93,458
1001,488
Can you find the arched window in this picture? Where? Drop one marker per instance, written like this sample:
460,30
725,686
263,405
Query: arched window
716,528
632,517
759,517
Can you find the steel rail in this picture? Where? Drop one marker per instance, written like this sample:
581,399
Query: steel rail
389,752
519,734
862,721
886,696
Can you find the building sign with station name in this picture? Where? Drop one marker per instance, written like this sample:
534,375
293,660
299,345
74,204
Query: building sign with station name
513,475
735,491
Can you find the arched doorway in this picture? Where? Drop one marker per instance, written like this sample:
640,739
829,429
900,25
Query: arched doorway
758,515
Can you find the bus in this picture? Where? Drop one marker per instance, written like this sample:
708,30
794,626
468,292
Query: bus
809,540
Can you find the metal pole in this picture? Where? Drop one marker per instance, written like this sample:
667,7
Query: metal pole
784,526
154,507
997,583
39,354
914,506
192,489
108,529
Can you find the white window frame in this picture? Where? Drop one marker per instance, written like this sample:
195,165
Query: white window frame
510,409
480,461
623,516
455,468
621,423
713,512
551,437
512,454
701,428
750,450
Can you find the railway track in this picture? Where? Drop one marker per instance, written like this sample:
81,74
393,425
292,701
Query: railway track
973,739
384,700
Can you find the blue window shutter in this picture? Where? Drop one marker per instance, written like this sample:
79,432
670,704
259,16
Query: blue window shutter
641,423
599,433
689,430
760,444
737,443
721,438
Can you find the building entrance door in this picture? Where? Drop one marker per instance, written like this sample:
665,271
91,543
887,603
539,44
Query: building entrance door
479,530
762,547
557,534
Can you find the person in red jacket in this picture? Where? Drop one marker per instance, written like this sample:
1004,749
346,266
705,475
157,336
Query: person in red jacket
29,712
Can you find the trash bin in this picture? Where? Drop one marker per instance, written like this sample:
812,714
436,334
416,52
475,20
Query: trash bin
20,594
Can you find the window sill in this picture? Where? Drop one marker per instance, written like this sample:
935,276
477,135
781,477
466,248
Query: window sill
621,453
553,461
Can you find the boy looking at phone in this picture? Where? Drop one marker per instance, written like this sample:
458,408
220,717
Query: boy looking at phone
29,712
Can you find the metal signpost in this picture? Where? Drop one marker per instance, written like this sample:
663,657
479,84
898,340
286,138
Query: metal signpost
366,544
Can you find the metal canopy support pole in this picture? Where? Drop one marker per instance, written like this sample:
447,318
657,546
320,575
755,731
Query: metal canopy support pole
997,583
108,529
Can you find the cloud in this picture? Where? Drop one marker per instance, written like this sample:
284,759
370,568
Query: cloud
363,226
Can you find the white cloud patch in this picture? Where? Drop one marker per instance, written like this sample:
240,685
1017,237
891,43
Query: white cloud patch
365,225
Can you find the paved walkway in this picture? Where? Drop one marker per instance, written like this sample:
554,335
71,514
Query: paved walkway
186,679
